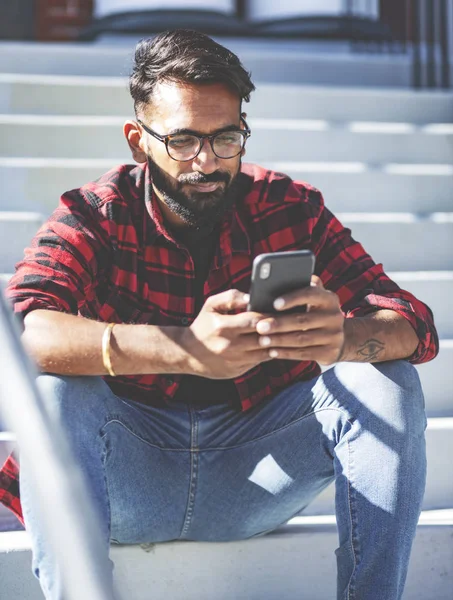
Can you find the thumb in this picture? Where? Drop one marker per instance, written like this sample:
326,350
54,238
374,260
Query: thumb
227,301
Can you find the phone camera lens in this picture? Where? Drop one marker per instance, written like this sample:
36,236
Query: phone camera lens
265,270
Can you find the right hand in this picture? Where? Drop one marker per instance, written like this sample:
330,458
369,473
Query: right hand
220,345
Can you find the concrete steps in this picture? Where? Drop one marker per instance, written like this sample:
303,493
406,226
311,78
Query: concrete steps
271,140
368,150
247,570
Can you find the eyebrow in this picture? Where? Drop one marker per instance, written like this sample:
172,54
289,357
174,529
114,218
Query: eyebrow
184,131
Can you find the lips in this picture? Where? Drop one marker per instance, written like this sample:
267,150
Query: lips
206,187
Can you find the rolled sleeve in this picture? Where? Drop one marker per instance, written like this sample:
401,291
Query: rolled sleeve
62,263
362,285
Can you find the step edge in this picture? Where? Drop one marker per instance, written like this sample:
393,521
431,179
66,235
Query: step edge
17,541
118,81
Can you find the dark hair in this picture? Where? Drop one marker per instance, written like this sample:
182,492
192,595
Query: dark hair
186,56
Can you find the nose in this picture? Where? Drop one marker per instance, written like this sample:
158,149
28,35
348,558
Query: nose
206,161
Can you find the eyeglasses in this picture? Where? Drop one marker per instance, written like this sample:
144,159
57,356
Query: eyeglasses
187,146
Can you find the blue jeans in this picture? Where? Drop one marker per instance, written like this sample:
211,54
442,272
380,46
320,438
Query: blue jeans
216,474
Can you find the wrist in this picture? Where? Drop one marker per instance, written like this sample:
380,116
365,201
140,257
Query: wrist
352,331
150,349
183,340
366,338
343,350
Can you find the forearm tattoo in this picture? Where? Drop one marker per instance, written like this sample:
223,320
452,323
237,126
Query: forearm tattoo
370,350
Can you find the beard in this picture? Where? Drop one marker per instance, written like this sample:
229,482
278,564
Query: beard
197,209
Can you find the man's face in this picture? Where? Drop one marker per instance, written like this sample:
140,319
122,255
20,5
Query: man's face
194,192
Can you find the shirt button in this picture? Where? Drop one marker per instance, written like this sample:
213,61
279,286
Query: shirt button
185,321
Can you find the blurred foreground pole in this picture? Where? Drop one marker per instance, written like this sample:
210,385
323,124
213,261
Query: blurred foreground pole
68,518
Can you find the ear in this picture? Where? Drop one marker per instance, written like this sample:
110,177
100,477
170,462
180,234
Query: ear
132,133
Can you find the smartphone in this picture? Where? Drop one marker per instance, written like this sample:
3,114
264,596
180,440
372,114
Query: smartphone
279,273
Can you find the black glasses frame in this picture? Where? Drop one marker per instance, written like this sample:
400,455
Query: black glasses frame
246,133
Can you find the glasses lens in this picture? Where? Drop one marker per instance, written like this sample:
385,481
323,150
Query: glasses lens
183,147
228,144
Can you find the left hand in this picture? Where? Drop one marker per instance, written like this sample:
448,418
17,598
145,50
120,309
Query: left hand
314,335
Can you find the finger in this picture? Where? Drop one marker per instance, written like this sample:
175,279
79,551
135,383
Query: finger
241,324
316,282
303,339
299,322
314,296
249,343
227,301
324,355
259,356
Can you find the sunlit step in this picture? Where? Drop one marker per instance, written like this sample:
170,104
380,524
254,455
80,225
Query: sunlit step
405,241
434,288
364,187
79,95
437,380
16,232
296,561
439,484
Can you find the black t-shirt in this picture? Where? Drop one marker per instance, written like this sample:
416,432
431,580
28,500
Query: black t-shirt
200,390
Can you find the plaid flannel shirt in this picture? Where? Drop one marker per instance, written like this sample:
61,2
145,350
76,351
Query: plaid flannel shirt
105,254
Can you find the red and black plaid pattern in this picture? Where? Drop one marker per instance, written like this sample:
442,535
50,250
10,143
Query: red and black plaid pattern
9,486
105,254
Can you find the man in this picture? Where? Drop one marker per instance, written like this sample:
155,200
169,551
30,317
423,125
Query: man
192,417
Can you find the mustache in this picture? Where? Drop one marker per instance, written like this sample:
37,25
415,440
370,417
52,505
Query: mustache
196,178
